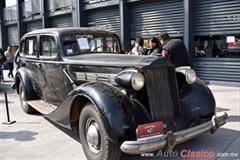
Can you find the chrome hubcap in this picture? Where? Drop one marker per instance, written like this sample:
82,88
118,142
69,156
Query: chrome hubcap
93,135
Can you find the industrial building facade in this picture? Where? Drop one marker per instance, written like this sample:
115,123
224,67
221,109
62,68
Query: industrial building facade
209,28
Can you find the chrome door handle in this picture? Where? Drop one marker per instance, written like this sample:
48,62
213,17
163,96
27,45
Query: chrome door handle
39,65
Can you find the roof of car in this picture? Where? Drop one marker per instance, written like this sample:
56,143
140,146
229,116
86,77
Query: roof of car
68,30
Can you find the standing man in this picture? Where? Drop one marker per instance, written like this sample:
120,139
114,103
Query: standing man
174,50
10,59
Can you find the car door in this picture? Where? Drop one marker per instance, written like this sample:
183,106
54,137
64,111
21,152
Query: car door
29,60
52,71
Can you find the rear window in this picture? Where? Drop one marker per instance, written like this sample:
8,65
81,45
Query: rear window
31,47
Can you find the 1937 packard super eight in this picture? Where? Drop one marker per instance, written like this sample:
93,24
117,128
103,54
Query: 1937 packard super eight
78,78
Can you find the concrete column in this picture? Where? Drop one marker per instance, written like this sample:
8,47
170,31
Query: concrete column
78,16
21,29
124,24
44,15
188,26
3,30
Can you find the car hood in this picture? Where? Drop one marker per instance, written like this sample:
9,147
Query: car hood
118,60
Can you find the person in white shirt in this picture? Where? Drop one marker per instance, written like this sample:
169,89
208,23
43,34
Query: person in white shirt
10,59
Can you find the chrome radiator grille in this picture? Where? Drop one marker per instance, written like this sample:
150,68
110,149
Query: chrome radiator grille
162,91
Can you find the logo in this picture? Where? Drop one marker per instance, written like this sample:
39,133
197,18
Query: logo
150,130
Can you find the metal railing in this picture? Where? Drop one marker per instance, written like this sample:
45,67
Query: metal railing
58,4
10,13
31,7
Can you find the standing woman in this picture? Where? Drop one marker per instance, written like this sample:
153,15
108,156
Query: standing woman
154,47
10,59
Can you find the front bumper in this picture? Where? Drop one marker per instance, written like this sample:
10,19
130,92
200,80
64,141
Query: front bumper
169,140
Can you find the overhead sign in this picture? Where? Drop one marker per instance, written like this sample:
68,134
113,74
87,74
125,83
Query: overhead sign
100,3
95,1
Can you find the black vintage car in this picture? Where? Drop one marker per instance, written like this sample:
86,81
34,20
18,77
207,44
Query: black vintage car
78,78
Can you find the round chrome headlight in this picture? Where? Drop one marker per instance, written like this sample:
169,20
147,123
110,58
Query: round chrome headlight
138,81
190,76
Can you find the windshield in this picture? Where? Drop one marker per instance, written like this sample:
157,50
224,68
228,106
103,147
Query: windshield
90,43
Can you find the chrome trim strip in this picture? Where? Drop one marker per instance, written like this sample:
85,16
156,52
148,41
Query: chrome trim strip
69,78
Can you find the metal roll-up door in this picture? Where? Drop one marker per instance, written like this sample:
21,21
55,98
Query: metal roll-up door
148,19
33,25
218,69
216,17
12,35
61,21
107,19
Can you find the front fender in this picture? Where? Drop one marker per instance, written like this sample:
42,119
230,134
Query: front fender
25,76
120,114
198,103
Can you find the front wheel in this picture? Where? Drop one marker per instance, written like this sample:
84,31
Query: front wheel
94,137
23,99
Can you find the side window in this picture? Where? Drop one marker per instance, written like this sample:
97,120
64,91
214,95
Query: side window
48,46
31,47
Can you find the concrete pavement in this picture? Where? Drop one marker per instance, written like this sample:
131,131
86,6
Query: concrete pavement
35,137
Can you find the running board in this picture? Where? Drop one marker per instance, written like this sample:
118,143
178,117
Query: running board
42,106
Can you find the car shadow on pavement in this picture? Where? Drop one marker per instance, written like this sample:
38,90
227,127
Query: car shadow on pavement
19,135
35,113
69,132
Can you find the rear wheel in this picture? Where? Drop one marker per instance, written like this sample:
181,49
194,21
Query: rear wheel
94,137
23,99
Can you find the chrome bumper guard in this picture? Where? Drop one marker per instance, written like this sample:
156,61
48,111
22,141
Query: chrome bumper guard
169,140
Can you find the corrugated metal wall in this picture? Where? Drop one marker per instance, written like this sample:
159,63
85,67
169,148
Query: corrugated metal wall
32,25
218,69
148,19
107,19
12,35
61,21
216,17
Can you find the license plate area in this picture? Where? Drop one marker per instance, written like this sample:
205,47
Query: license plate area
149,129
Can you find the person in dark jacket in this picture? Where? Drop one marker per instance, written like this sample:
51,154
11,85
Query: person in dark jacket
174,50
2,61
138,48
154,48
